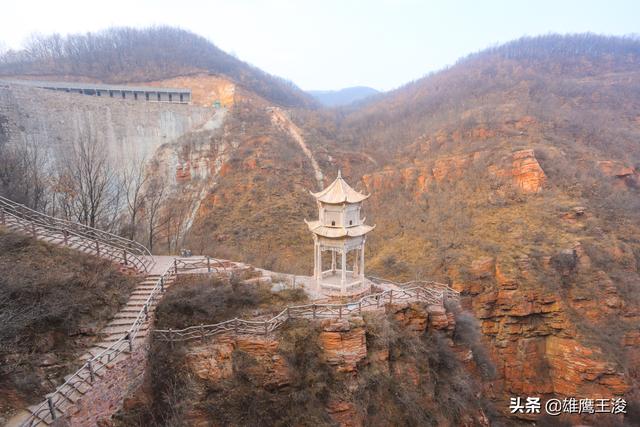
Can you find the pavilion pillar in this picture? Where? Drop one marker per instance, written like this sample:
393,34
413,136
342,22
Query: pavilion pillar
315,260
316,249
319,261
333,261
356,264
343,265
362,262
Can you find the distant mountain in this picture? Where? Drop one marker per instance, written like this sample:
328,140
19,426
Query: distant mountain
346,96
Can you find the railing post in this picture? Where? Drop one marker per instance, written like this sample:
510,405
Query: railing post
65,235
170,337
391,297
175,266
51,408
314,310
378,301
2,219
359,306
146,313
294,282
128,338
161,283
201,332
97,248
208,264
124,257
340,312
90,371
266,328
33,229
288,313
235,325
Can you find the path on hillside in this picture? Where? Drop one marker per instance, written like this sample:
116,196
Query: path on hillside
116,360
125,336
279,118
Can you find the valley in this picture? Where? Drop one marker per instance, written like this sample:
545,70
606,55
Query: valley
512,176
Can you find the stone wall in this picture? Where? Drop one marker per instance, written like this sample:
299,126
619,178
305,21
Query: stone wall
102,400
55,119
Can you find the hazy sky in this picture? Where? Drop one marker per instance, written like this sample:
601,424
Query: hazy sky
330,44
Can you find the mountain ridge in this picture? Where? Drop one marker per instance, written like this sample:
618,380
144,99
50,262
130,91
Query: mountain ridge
124,54
343,97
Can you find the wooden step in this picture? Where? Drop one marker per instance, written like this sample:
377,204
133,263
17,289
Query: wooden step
120,329
126,315
44,417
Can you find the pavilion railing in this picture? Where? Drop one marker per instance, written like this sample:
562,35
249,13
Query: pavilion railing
449,293
87,239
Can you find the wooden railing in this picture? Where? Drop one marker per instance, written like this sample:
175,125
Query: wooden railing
236,326
87,239
211,265
449,293
49,410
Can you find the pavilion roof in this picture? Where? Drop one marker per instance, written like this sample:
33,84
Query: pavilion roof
336,232
339,192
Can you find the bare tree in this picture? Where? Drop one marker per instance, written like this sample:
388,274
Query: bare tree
134,179
154,198
94,183
176,218
23,173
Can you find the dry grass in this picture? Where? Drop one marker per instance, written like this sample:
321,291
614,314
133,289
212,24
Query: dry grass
205,300
52,303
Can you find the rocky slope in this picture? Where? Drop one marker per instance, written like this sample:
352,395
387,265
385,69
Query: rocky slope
411,365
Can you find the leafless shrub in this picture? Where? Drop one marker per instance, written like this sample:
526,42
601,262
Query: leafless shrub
468,334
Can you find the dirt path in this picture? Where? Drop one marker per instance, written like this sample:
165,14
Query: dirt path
279,118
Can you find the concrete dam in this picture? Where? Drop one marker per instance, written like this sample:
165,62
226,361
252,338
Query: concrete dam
136,93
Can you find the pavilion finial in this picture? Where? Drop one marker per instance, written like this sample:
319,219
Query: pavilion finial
339,174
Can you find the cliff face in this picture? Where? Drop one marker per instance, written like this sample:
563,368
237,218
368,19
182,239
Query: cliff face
534,264
398,367
524,172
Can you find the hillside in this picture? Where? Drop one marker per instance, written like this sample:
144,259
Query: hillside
512,175
52,303
342,97
125,55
